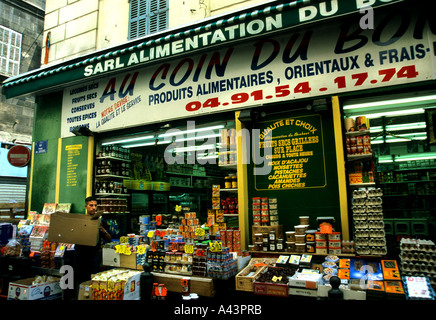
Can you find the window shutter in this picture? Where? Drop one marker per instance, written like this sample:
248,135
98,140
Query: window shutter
10,51
147,17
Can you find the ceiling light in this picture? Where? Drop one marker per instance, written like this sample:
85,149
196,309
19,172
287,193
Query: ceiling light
389,102
407,157
176,133
400,127
193,148
392,113
128,140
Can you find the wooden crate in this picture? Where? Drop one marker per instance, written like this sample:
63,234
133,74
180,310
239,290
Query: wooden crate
201,286
244,281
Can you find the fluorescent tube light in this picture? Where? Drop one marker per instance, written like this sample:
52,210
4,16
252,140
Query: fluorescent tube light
408,157
145,144
193,148
128,140
148,137
400,127
221,126
392,113
389,102
413,136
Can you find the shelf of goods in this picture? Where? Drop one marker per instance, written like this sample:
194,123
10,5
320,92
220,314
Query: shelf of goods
359,157
409,191
268,234
110,171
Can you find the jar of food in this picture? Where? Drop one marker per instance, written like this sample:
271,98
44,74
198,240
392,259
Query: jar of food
228,182
234,182
279,245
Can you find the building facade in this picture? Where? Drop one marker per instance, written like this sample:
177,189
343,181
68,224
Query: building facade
287,73
21,33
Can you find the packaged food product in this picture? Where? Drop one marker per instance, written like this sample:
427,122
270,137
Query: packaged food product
334,236
300,229
331,271
304,220
300,238
300,247
332,258
310,235
334,244
320,236
321,250
329,264
290,236
310,247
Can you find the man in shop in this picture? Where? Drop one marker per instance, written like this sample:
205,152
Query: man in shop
88,258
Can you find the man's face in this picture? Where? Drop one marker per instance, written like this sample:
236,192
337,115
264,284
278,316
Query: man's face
91,207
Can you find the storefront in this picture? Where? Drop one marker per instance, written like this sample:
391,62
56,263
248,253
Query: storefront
243,125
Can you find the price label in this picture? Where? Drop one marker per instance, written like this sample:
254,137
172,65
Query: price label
260,264
158,220
216,246
189,248
199,232
140,250
325,228
124,239
275,279
200,253
123,250
150,234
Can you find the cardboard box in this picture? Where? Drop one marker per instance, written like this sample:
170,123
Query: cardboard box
305,280
271,289
199,285
113,284
24,290
113,259
73,228
295,291
85,291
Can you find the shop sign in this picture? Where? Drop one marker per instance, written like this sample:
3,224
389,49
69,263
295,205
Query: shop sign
244,26
297,159
334,59
40,147
19,156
